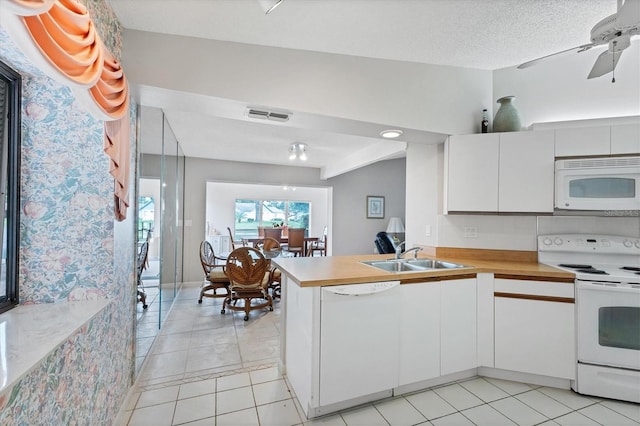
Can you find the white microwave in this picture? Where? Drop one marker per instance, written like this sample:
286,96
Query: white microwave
598,184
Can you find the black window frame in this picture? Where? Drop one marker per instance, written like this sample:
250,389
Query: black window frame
12,200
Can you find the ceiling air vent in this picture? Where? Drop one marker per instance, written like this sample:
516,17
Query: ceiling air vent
268,115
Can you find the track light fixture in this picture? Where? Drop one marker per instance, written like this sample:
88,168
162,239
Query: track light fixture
298,150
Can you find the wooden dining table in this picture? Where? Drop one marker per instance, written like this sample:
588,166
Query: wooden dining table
284,240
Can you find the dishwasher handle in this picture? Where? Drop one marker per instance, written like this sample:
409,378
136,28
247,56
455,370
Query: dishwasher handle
366,289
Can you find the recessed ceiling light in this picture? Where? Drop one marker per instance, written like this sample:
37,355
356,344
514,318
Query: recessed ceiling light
391,134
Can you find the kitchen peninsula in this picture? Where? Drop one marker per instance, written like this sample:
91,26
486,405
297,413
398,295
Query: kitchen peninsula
353,333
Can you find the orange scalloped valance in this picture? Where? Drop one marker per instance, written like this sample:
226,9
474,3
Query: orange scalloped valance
60,38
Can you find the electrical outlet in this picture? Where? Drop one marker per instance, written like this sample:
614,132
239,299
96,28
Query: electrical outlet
470,232
427,231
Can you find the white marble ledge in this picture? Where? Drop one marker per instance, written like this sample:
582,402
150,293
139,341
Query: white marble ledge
28,333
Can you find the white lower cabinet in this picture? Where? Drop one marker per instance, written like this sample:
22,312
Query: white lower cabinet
535,332
458,331
419,332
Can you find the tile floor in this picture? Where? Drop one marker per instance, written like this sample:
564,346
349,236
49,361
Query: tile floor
210,369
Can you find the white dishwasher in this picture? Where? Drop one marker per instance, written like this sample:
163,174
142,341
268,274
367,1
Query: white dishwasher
359,340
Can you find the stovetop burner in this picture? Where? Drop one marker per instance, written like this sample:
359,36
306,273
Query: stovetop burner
630,268
592,271
575,266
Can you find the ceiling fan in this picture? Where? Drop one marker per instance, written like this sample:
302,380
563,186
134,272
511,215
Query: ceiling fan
615,31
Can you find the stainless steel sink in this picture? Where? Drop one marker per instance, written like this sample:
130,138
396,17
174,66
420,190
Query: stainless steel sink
411,265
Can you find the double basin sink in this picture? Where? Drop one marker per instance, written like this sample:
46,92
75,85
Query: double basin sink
412,265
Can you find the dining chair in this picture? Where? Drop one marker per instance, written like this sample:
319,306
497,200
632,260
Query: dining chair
142,263
319,246
248,273
215,277
296,241
270,246
275,233
235,243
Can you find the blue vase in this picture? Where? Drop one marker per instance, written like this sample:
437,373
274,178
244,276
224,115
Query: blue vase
507,118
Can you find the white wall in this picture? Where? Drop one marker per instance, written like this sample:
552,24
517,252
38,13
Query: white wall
221,197
558,90
426,97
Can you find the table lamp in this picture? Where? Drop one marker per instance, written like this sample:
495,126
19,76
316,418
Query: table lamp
395,227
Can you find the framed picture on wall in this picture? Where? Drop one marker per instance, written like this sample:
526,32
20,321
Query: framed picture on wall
375,207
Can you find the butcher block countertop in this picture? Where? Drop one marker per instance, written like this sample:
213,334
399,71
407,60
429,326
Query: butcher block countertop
340,270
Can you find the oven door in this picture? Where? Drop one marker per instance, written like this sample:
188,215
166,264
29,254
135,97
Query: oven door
608,324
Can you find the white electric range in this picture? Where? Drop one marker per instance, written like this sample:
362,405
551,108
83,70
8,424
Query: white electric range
607,283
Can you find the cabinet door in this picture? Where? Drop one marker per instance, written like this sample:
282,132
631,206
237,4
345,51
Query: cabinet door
583,141
458,331
472,173
419,332
625,139
537,337
526,172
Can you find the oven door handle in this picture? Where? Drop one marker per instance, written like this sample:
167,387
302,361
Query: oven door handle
609,288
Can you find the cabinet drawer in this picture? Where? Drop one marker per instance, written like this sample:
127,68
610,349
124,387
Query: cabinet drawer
549,289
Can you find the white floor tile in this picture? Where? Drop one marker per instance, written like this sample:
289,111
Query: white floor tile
248,417
543,404
512,388
233,381
567,397
207,357
364,416
575,419
627,409
268,392
430,404
158,396
196,408
519,412
265,375
484,390
605,416
164,365
399,412
200,387
155,415
234,400
456,419
458,396
485,415
281,413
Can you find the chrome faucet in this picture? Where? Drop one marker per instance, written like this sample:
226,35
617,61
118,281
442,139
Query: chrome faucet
400,255
415,251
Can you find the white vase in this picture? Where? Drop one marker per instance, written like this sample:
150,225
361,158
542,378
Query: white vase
507,118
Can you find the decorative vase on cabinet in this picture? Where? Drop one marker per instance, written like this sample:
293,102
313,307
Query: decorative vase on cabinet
507,118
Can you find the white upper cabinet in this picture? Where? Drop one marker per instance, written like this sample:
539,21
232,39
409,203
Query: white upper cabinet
500,172
583,141
472,172
625,139
526,172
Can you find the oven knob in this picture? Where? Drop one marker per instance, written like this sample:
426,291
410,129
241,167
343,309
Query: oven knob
637,244
547,241
558,241
627,243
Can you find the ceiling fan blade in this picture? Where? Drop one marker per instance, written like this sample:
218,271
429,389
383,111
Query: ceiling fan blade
628,15
576,49
605,63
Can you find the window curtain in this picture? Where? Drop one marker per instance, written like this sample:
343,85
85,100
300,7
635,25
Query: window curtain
60,38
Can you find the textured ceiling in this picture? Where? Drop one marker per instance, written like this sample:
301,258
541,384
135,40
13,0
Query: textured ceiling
486,34
483,34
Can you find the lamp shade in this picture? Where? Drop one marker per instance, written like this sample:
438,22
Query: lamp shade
395,225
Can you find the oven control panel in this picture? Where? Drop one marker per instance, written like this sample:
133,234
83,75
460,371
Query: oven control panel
584,243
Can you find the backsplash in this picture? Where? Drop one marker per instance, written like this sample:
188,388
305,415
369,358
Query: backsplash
623,226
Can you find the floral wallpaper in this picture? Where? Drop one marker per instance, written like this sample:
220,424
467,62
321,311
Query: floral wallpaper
71,251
